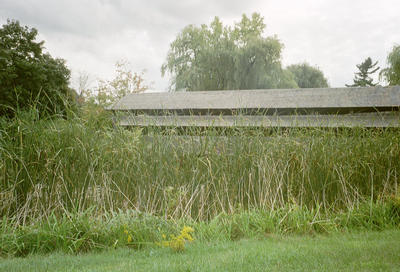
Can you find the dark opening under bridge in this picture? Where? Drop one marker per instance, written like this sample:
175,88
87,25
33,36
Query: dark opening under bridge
321,107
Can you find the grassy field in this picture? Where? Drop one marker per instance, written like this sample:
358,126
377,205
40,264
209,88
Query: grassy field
57,165
370,251
77,184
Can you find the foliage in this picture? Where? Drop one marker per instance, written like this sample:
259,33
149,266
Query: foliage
362,78
84,232
364,251
70,165
29,76
392,73
83,88
307,76
177,243
109,91
218,57
76,185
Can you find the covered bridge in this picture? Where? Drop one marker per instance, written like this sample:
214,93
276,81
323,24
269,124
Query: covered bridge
322,107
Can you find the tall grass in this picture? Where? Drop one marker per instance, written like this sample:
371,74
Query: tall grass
83,232
59,165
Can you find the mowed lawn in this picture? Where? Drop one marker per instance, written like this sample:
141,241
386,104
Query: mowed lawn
370,251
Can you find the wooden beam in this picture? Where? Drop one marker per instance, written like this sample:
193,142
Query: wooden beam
349,120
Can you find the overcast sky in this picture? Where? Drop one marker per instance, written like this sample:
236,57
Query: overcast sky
92,35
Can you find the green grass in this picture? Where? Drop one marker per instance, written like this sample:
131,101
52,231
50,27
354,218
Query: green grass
73,184
56,165
83,232
369,251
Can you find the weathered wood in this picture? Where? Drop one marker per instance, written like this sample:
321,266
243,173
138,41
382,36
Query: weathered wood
327,107
354,120
269,102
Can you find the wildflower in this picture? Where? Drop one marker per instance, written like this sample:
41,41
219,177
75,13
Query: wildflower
177,243
129,240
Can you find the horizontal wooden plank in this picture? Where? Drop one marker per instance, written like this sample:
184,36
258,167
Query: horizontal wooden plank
287,101
355,120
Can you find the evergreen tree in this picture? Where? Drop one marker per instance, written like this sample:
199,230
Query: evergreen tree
362,78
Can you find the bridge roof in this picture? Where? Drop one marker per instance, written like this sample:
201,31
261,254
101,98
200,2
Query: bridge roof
320,99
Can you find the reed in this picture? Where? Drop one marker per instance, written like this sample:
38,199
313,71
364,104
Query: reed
61,165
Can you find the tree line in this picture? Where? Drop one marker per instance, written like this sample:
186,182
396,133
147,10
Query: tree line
206,57
218,57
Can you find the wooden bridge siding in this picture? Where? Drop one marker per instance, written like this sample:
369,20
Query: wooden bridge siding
325,107
325,98
357,120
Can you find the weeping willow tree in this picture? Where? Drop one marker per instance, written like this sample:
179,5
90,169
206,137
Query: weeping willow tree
392,73
218,57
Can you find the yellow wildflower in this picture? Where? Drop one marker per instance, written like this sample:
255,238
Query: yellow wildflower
177,243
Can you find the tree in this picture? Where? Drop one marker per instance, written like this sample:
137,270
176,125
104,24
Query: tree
362,78
307,76
28,75
109,91
83,88
218,57
392,73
